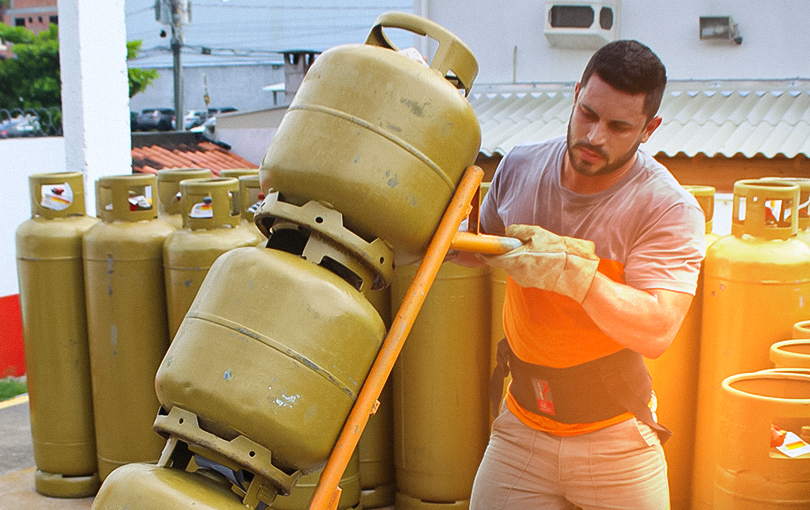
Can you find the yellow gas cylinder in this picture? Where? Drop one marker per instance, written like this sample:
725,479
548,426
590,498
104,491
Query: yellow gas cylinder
388,137
276,346
764,463
250,200
675,379
54,323
803,233
211,216
250,196
142,486
791,353
304,488
801,330
441,410
238,172
375,448
756,284
126,318
168,192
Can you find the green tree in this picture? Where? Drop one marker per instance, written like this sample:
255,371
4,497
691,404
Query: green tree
32,79
139,79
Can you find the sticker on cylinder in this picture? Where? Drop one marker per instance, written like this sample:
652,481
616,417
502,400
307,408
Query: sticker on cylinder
789,443
136,203
56,197
204,209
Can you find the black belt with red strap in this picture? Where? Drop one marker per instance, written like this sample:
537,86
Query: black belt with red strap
590,392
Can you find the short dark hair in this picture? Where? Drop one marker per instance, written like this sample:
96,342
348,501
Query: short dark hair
631,67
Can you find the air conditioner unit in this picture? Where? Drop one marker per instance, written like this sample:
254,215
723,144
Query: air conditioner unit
579,24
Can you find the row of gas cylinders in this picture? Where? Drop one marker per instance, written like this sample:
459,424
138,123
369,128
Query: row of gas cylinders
102,301
424,444
746,317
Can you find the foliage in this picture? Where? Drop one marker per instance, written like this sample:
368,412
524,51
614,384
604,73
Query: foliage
139,79
11,387
31,80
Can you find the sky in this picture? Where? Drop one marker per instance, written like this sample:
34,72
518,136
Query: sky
250,30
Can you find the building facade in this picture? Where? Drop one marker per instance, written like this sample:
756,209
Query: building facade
35,15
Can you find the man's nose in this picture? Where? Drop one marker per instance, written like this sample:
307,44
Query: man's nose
597,134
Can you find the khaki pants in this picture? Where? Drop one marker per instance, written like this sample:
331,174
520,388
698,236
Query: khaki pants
619,467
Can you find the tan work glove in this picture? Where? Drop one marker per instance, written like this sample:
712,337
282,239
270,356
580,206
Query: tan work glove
547,261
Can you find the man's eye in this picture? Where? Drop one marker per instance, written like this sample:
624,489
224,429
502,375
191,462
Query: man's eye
588,114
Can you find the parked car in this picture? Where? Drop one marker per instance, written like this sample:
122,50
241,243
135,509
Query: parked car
21,125
151,119
195,118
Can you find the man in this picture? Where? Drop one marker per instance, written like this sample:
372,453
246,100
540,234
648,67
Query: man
611,255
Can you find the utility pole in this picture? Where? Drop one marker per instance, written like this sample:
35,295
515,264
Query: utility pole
176,14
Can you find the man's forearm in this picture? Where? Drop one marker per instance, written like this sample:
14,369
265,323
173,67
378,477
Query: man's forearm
644,321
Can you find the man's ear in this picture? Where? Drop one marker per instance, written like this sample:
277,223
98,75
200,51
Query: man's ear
650,128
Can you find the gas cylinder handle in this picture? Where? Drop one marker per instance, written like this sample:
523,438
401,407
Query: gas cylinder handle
452,54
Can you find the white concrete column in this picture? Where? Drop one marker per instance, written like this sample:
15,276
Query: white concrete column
95,90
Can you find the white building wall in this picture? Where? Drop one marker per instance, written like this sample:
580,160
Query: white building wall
222,88
775,35
19,158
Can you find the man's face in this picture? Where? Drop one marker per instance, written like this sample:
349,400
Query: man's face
606,127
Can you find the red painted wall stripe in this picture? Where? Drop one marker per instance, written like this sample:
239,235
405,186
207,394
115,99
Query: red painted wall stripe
12,359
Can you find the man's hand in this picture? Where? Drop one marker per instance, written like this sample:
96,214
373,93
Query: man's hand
547,261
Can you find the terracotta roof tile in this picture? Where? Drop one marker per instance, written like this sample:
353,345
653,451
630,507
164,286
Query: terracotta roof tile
153,152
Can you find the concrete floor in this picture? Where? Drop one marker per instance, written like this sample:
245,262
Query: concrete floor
17,463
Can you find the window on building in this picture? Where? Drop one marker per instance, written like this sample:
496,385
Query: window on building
54,20
19,22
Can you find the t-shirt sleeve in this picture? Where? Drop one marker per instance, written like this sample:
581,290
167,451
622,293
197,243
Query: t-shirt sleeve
490,221
668,254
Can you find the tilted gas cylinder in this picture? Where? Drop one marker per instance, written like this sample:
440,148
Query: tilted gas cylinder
756,286
168,192
276,346
381,137
51,279
126,318
211,218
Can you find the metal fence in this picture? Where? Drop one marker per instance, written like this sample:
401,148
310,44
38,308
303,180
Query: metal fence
28,122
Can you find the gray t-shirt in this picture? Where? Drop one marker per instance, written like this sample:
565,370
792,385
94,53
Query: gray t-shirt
646,222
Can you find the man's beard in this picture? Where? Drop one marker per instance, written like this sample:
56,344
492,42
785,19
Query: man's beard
608,168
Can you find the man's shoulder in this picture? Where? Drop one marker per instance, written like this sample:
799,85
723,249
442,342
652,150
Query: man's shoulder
535,147
658,179
536,155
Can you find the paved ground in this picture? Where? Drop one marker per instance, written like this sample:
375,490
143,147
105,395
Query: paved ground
17,464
